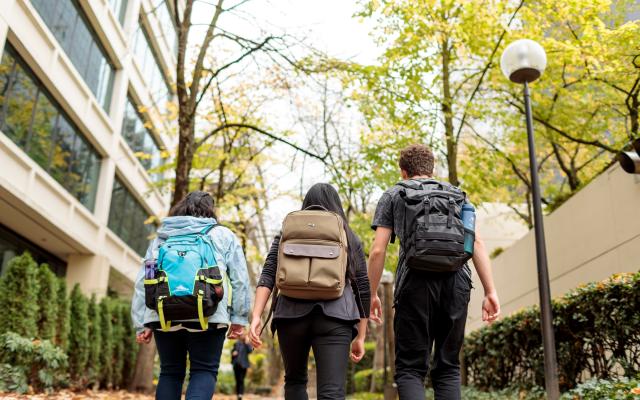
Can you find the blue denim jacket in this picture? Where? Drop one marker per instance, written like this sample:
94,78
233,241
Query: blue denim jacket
230,259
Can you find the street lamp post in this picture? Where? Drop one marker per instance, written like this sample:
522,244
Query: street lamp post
523,61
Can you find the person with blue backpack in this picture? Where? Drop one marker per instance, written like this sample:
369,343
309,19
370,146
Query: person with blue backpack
192,289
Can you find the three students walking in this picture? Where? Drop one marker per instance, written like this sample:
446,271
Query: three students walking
193,288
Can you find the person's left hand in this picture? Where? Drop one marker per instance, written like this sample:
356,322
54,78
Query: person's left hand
235,331
357,350
145,336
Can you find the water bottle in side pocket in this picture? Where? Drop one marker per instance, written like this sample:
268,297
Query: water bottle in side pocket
469,222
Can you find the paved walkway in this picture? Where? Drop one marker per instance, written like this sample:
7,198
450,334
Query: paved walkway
106,395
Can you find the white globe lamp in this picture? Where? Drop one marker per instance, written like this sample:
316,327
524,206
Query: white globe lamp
523,61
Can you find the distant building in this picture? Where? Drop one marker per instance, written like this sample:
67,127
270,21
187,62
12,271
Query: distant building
83,84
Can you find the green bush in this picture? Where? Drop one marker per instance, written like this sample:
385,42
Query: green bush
106,355
366,396
362,380
37,362
597,389
226,383
64,316
118,345
365,363
257,374
597,330
130,345
95,343
48,307
19,297
79,336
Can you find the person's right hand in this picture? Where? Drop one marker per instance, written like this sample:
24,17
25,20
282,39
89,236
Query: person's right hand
254,332
145,336
375,313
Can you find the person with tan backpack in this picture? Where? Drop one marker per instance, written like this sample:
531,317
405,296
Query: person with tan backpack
317,271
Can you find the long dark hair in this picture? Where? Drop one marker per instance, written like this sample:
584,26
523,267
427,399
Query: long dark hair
195,204
323,195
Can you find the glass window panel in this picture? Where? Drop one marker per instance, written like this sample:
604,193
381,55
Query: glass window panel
19,106
68,23
34,121
119,8
156,82
44,120
139,138
127,218
7,74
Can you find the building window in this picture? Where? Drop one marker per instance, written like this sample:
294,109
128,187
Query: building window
32,119
163,14
119,8
148,62
139,138
70,26
128,219
12,244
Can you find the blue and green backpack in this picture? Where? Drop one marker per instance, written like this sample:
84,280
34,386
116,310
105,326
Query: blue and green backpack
188,283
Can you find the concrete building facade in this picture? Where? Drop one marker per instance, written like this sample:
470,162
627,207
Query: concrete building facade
83,88
593,235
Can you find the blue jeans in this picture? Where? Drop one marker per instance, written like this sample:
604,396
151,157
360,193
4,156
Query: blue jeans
204,350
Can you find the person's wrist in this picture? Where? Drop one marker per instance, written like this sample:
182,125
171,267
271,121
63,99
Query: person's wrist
490,292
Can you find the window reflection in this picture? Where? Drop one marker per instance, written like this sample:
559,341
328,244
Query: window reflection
127,219
69,25
140,139
34,121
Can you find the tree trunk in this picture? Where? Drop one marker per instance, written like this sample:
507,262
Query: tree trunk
143,375
447,110
184,161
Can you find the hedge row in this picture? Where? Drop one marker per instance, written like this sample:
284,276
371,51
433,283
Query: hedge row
72,339
597,331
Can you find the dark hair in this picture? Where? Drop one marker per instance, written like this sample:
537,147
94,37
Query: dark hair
323,195
417,160
195,204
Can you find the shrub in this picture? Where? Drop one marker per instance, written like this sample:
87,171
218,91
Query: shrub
362,380
597,389
365,363
37,362
48,308
79,336
130,345
95,342
64,320
597,330
106,354
226,383
257,374
19,297
117,345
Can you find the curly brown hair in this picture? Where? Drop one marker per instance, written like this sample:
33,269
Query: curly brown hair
417,160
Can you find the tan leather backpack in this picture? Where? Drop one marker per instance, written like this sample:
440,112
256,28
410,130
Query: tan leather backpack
312,258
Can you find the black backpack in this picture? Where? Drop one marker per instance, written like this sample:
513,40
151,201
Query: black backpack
432,231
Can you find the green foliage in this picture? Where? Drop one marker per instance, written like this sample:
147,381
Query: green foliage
13,379
118,344
48,313
366,396
64,316
597,331
25,360
95,342
106,353
363,378
19,288
78,336
226,383
597,389
257,373
130,346
364,364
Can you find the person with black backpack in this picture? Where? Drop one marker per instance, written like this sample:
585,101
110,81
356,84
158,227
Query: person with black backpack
317,271
191,291
435,224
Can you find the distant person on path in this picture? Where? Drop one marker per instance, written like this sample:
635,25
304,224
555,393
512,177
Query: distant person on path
240,362
433,280
194,268
318,240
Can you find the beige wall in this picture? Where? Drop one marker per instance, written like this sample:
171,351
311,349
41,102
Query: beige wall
31,202
594,234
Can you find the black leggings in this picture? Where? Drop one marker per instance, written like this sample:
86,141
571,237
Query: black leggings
330,340
240,373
